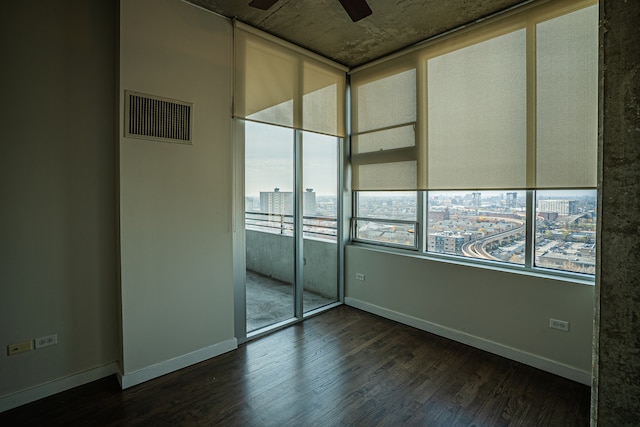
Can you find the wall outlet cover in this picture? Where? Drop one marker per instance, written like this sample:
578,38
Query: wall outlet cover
46,341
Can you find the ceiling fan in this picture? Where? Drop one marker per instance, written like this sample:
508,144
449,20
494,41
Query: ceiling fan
357,9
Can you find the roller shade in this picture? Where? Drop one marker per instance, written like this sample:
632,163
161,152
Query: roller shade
281,84
511,103
567,100
477,115
383,142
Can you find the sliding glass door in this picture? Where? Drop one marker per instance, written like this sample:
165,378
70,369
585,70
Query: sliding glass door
291,229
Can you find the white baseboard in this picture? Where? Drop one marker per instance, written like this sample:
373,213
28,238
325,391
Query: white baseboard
154,371
548,365
48,389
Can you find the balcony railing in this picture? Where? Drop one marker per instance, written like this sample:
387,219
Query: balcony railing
320,227
270,242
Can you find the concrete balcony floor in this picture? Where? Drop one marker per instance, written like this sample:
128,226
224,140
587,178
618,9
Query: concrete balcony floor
270,301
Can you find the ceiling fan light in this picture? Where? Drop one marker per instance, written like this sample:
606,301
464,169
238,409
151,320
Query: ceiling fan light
262,4
357,9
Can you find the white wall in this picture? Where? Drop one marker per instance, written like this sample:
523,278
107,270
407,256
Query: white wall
57,195
502,312
175,200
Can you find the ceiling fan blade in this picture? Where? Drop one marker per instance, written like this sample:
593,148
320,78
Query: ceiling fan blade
357,9
262,4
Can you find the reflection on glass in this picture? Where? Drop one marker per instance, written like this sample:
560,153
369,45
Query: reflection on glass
486,225
566,230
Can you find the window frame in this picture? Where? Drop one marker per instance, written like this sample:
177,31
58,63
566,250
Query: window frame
417,225
420,248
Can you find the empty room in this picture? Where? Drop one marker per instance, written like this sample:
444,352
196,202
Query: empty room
335,212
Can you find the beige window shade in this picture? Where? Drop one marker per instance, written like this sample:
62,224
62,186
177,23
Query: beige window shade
323,100
567,100
390,101
383,145
510,103
386,176
281,84
477,116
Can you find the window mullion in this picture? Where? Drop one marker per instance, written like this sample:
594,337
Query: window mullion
529,251
422,217
298,223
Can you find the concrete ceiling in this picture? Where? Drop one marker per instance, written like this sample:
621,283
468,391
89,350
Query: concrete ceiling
323,26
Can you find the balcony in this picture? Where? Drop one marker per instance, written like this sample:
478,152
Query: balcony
270,266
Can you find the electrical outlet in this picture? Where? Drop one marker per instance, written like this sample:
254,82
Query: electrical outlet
19,347
559,324
46,341
360,276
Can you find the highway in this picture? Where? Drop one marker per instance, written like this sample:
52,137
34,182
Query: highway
476,248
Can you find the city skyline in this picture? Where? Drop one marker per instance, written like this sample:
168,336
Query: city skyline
488,225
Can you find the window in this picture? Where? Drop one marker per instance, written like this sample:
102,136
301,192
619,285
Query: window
488,225
387,217
289,105
565,234
320,184
269,171
491,134
485,225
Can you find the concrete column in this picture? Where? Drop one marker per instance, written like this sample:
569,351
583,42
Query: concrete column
616,383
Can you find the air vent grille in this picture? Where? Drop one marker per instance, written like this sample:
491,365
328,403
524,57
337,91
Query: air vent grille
151,117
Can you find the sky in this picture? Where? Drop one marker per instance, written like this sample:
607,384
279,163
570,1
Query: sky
269,160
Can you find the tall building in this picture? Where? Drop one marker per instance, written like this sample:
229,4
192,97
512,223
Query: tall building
477,199
309,202
276,202
281,202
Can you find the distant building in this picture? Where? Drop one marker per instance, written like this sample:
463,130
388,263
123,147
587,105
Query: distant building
281,202
549,216
249,204
448,242
561,207
276,202
309,206
439,215
575,259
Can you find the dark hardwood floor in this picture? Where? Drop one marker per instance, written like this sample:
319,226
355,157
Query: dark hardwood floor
343,367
